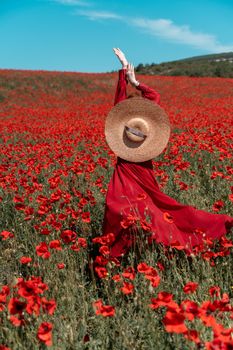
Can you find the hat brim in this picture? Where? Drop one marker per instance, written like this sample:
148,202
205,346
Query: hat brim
156,139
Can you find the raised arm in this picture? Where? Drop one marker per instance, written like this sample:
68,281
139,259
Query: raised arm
149,93
146,91
121,94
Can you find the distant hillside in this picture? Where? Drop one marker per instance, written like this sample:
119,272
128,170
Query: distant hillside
214,65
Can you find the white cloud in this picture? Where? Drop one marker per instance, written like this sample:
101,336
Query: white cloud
95,15
165,28
72,2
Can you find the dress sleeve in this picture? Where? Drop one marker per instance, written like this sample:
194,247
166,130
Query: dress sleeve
120,94
149,93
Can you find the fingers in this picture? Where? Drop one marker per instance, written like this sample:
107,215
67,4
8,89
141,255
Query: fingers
115,50
120,55
131,75
118,51
130,67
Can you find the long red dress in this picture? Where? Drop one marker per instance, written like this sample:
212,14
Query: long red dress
134,196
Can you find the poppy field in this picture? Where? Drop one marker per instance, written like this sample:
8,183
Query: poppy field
54,172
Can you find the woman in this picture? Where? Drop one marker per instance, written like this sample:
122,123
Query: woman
134,198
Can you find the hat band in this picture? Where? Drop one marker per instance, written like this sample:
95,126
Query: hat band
135,132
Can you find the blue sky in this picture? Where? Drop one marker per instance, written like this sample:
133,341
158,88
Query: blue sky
78,35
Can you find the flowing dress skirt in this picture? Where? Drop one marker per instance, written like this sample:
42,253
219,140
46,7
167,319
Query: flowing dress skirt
134,195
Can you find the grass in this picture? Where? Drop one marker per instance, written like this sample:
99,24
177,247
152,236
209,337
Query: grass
31,159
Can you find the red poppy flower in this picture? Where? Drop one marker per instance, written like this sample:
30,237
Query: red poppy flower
43,209
107,239
86,338
208,320
82,242
100,260
145,225
20,206
167,217
48,306
218,344
60,266
129,273
164,299
155,281
190,309
190,287
56,244
143,267
42,250
207,307
16,306
44,333
192,335
82,202
127,288
226,243
34,286
5,291
218,205
2,306
116,278
214,291
25,260
6,234
68,236
199,231
86,217
153,276
183,186
160,266
75,247
104,310
55,196
129,221
174,322
177,245
104,250
62,217
102,272
141,196
33,305
208,255
45,231
17,321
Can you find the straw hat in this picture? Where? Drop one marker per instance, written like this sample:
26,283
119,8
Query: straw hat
137,129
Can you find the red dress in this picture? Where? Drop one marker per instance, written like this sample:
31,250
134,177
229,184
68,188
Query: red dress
134,196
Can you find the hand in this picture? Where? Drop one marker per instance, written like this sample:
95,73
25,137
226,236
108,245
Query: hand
131,75
121,57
